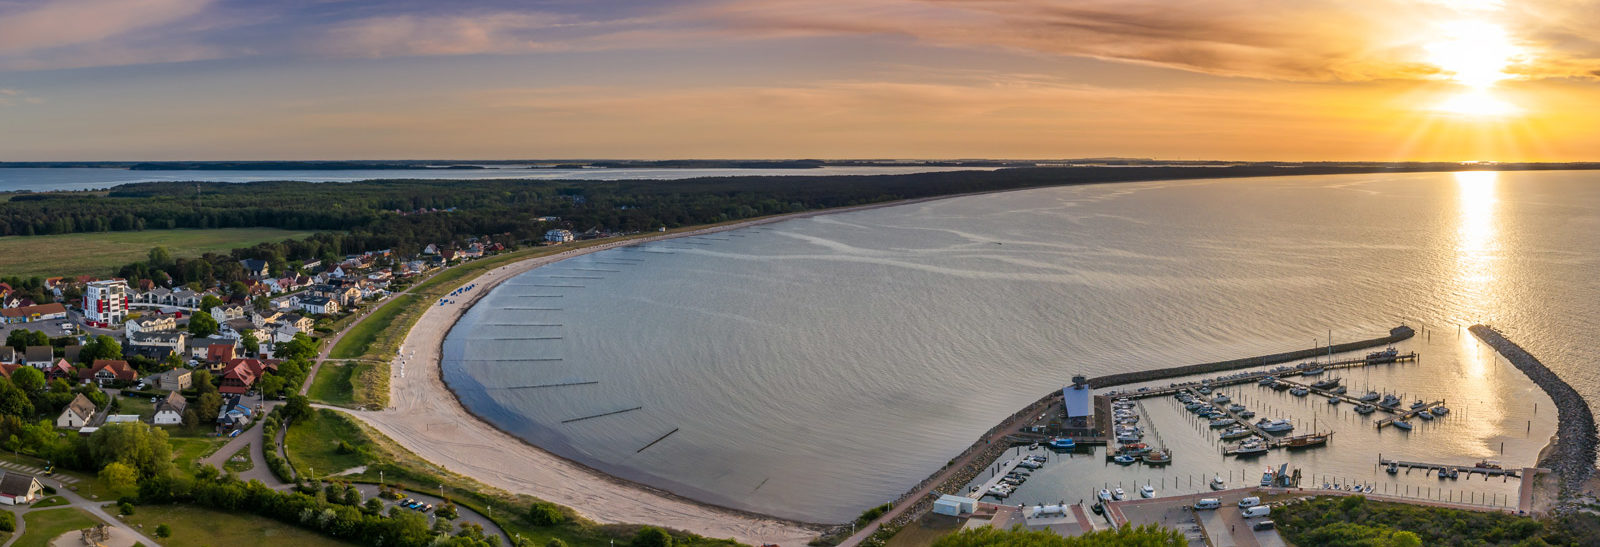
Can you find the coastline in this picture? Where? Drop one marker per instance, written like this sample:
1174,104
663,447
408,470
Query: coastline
427,418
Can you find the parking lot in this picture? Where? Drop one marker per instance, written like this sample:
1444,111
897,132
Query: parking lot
51,328
1224,525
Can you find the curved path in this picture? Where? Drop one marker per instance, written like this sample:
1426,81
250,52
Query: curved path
427,419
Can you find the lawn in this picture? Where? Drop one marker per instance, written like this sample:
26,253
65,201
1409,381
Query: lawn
136,405
332,384
100,253
358,340
43,526
199,526
313,447
187,450
239,462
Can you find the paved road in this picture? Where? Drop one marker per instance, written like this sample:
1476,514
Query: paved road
254,438
329,343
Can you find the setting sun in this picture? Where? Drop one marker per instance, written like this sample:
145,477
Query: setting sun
1474,54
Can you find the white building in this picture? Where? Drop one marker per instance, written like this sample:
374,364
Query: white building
954,505
169,411
558,235
1079,402
105,303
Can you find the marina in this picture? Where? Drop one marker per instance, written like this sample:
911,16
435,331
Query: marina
1486,468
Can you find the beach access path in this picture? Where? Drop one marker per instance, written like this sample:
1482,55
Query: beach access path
425,417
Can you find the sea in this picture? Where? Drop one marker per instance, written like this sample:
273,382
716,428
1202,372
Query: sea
815,367
48,179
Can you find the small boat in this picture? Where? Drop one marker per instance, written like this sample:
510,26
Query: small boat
1236,408
1341,390
1147,492
1105,495
1221,400
1326,384
1367,489
1280,386
1370,396
1402,424
1098,508
1225,422
1393,468
1488,464
1266,381
1418,404
1299,392
1236,433
1217,484
1308,441
1204,390
1386,355
1440,410
1315,371
1274,426
1159,457
1247,414
1425,415
1119,494
1063,443
1443,473
1455,473
1334,400
1267,476
1034,446
1124,459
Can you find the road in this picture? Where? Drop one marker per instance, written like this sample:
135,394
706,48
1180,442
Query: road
94,507
329,343
254,438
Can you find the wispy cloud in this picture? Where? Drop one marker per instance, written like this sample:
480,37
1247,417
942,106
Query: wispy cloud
61,23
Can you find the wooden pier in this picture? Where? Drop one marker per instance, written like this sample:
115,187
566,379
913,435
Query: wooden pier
1273,441
1405,414
1436,467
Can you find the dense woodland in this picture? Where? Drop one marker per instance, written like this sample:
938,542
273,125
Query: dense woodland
1357,521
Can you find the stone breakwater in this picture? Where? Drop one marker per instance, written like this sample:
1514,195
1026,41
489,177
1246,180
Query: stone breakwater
1396,334
1574,453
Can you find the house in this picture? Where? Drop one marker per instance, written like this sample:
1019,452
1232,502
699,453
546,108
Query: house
199,349
150,323
8,354
558,235
219,353
234,329
105,371
169,411
61,370
185,298
72,352
38,357
254,268
319,305
19,488
105,303
263,318
7,368
237,380
227,312
177,379
77,414
156,345
431,249
42,312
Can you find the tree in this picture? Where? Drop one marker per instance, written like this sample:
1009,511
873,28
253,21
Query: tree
262,303
29,379
210,301
209,405
14,401
555,542
372,506
651,536
160,257
251,345
300,347
544,513
122,478
163,531
299,408
201,324
100,347
135,444
1149,535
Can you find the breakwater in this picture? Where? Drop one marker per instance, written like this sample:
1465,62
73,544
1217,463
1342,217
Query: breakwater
1573,456
1396,334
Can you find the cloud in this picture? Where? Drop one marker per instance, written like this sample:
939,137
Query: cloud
61,23
1307,40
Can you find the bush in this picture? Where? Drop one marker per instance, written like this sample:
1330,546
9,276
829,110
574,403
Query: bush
163,531
651,536
8,521
49,490
125,508
544,513
555,542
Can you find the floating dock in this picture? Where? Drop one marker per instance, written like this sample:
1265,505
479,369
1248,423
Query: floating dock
1434,467
1257,376
1405,414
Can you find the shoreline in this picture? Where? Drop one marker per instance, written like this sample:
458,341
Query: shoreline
447,434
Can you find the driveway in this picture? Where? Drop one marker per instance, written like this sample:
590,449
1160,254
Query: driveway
253,438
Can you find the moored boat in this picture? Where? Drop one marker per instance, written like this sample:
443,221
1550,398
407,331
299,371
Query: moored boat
1063,443
1440,410
1402,424
1299,392
1365,409
1217,484
1308,441
1147,491
1158,457
1371,396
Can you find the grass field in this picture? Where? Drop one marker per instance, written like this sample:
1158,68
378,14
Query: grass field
358,340
332,384
313,447
102,252
197,526
43,526
187,450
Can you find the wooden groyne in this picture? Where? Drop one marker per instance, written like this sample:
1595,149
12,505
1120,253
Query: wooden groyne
1574,453
1396,334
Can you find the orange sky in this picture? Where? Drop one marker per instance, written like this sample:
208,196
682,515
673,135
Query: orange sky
1224,79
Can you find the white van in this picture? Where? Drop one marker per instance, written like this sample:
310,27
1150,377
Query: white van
1257,511
1251,501
1208,503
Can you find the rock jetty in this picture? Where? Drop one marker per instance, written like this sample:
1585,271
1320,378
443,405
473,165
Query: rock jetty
1573,456
1396,334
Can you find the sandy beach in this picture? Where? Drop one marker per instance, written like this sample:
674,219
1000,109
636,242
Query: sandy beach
425,417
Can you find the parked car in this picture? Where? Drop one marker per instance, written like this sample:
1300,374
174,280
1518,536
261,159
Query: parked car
1263,525
1251,501
1208,503
1257,511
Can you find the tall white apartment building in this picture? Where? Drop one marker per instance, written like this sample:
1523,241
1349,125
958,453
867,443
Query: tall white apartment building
105,303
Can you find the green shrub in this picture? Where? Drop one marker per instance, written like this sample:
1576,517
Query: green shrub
8,521
544,513
651,536
163,531
125,508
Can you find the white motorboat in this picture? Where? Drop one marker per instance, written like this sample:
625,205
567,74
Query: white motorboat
1147,491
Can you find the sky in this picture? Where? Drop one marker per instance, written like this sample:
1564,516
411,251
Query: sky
1379,80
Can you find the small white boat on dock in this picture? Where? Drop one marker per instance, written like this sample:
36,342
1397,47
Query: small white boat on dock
1147,491
1217,484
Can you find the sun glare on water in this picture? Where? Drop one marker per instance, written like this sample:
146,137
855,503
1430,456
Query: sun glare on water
1474,54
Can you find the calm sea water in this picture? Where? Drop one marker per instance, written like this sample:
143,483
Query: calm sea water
815,367
89,179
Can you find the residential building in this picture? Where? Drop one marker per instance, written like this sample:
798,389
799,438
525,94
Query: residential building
237,380
228,312
20,488
558,235
8,354
319,305
177,379
155,322
77,414
38,357
105,303
219,353
61,370
254,268
41,312
156,345
169,411
106,371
